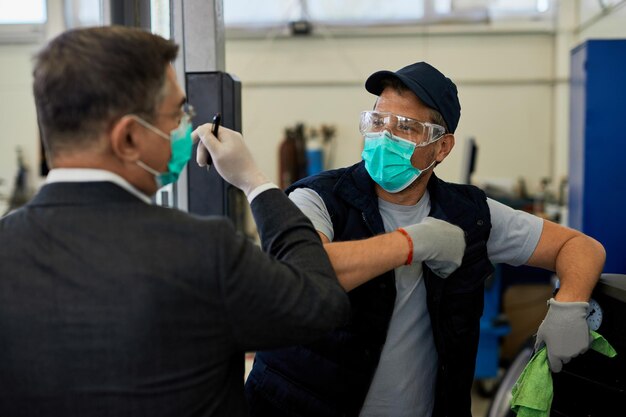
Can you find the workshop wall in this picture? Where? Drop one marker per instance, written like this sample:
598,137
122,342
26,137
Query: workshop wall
512,83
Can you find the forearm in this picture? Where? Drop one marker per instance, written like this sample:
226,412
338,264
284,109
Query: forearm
576,258
356,262
296,287
578,266
290,238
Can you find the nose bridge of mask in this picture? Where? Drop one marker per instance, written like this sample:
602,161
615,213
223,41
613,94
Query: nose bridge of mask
392,143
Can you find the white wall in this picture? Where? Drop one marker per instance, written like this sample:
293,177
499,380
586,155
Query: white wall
17,114
18,119
512,85
505,83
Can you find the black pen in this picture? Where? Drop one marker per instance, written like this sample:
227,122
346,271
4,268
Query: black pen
216,126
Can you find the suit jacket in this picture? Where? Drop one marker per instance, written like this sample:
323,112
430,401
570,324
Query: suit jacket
112,307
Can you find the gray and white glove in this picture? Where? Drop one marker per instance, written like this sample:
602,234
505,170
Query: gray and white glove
439,244
564,332
231,157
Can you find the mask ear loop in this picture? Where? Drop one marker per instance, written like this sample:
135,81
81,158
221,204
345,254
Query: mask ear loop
150,127
429,166
147,168
426,144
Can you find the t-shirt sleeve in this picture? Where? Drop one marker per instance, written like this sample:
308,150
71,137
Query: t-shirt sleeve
514,234
315,209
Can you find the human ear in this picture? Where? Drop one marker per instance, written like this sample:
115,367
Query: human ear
122,143
446,145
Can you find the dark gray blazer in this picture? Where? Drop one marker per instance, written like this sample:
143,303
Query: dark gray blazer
112,307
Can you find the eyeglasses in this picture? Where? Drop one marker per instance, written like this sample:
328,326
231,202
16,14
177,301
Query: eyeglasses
185,115
186,110
420,133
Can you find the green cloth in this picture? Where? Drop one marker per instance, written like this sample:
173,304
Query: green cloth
533,392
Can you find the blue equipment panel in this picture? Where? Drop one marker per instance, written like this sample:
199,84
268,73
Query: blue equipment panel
597,160
492,329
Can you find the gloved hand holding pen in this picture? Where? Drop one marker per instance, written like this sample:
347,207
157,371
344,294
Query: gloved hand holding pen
231,157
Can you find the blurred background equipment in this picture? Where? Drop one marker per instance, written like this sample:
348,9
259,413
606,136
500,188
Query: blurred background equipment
493,326
22,189
470,155
303,152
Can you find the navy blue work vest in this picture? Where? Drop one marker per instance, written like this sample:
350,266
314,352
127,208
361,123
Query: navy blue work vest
331,377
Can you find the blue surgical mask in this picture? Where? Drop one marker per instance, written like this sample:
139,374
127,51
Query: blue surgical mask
181,145
388,161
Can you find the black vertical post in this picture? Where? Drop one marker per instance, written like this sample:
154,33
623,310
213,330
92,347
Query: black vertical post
135,13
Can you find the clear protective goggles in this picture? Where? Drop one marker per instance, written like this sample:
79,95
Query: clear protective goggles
420,133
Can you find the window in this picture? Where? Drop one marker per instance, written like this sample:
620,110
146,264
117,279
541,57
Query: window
160,17
79,13
241,13
22,12
22,21
331,11
253,14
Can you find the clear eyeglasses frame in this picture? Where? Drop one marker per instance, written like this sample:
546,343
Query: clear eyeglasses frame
185,114
416,131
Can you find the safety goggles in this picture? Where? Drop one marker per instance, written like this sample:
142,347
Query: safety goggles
420,133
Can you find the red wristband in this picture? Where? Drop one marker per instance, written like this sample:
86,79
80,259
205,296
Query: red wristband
409,258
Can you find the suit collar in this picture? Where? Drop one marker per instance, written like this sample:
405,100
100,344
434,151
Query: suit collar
82,194
93,175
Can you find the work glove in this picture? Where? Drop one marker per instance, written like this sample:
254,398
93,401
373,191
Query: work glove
564,331
439,244
231,157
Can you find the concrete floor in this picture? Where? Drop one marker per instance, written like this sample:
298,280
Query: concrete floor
480,404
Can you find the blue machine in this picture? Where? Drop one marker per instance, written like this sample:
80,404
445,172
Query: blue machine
492,329
597,201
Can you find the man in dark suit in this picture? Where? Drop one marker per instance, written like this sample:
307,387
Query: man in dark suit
111,306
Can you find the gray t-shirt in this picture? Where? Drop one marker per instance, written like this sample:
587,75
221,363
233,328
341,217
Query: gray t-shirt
405,377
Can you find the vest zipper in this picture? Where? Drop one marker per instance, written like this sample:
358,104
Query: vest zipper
367,223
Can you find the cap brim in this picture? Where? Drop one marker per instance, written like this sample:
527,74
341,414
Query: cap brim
374,84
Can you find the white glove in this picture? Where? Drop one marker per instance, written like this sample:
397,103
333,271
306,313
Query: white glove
231,157
564,332
438,243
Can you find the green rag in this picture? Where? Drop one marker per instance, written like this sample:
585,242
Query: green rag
533,392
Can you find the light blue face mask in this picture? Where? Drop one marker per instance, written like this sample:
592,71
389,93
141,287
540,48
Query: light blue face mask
181,145
388,161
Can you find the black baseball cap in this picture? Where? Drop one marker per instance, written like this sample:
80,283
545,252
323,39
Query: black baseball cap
432,87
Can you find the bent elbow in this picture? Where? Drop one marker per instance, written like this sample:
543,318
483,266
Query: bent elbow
599,249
